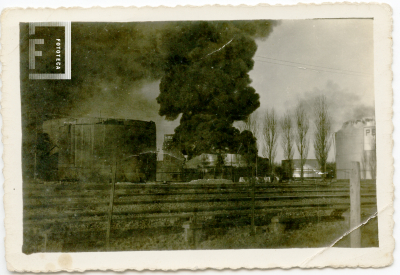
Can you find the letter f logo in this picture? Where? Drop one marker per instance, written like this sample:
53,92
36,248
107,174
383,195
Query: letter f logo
66,56
33,53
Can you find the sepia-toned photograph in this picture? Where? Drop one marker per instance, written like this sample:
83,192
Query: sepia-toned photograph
199,135
189,135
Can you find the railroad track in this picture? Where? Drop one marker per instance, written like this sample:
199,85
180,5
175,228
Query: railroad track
68,210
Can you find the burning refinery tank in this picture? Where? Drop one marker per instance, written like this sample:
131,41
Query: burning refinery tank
355,141
88,149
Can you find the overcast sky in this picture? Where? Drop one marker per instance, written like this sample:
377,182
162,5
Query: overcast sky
341,52
342,44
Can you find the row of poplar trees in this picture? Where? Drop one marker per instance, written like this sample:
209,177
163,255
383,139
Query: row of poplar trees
295,132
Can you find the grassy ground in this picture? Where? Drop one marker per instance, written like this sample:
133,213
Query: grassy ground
315,232
321,234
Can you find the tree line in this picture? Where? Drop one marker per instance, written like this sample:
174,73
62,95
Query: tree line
295,132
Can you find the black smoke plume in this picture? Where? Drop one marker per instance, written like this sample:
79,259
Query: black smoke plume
207,81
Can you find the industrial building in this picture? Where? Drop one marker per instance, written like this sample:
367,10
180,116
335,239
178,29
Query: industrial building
90,149
311,169
231,166
356,141
211,160
170,169
206,166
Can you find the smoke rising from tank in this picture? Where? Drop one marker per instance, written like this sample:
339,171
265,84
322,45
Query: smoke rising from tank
343,106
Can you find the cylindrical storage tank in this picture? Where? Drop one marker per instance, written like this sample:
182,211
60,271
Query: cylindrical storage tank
89,148
356,142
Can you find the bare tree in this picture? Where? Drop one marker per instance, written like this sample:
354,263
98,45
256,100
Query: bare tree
250,124
301,136
287,140
254,125
270,136
322,133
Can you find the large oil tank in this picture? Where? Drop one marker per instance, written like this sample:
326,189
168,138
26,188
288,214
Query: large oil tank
89,148
355,141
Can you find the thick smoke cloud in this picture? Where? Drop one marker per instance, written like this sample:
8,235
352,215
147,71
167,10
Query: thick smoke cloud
206,80
113,63
116,57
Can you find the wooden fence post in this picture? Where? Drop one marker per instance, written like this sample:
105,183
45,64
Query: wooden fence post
355,205
110,209
45,242
253,186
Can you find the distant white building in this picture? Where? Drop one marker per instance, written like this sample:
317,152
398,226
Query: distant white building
310,168
210,160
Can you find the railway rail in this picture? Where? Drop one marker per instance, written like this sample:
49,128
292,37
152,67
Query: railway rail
104,211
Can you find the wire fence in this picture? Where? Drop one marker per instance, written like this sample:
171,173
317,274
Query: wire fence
94,214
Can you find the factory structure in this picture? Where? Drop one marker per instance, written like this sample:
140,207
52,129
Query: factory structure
98,149
95,149
311,169
217,166
175,167
171,167
356,141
